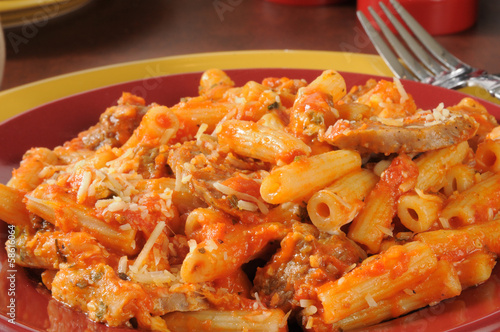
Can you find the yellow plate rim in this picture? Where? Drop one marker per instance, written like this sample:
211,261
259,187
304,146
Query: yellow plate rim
19,99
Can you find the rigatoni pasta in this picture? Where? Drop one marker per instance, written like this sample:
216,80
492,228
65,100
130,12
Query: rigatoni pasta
249,207
419,212
332,207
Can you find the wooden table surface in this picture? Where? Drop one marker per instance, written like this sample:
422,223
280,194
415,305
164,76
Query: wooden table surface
114,31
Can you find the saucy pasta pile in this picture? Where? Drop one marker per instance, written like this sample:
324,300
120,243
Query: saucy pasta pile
248,207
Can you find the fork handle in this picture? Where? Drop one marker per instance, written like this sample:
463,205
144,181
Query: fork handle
490,83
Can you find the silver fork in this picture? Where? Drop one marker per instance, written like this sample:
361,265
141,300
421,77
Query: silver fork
422,57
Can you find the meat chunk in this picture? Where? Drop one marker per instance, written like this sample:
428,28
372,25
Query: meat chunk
307,258
115,125
422,132
220,180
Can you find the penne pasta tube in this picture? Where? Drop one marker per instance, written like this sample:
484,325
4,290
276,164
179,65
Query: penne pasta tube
214,82
374,222
488,156
156,185
12,208
302,177
250,139
27,176
157,127
99,159
442,284
456,244
376,279
433,165
353,111
203,216
252,101
213,259
329,82
419,212
479,203
459,178
338,204
253,91
58,209
313,110
476,268
264,320
194,113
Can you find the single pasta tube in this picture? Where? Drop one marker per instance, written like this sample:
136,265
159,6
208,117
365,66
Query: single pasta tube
338,204
304,176
376,280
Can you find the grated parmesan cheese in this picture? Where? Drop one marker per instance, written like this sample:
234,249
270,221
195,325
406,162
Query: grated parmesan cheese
371,302
84,187
247,206
381,166
117,205
192,245
186,178
385,230
201,131
427,197
304,303
310,322
167,135
125,227
259,302
178,178
122,264
310,310
350,268
388,121
156,277
284,321
401,90
139,261
242,196
210,245
445,223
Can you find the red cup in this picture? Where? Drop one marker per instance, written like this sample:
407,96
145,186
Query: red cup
309,2
438,17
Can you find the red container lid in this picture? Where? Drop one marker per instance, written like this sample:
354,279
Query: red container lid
438,17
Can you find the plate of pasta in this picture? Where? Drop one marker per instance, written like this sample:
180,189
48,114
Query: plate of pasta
252,200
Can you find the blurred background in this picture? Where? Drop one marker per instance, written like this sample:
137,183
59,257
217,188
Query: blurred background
50,41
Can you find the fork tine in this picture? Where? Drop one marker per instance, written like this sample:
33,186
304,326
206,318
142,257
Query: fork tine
384,50
400,49
425,38
434,66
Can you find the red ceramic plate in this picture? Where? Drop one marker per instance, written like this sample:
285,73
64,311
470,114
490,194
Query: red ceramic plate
51,124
